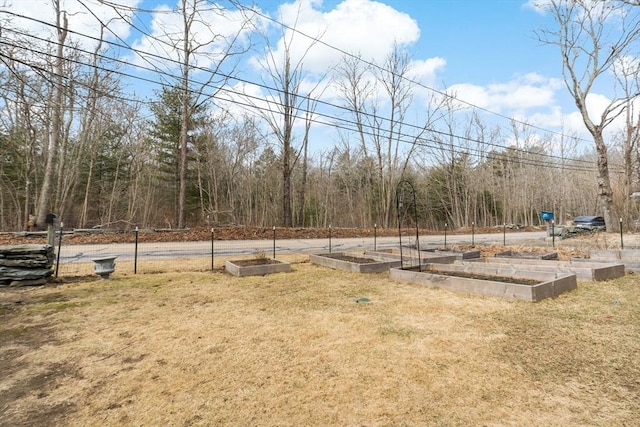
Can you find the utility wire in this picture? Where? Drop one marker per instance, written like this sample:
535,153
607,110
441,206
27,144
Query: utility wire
373,64
264,86
334,121
461,149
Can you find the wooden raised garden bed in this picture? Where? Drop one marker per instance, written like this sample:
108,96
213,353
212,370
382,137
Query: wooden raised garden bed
256,267
593,271
519,285
352,262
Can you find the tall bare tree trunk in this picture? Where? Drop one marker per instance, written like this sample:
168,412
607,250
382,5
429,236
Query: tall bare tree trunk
303,182
605,192
288,107
85,204
46,192
186,113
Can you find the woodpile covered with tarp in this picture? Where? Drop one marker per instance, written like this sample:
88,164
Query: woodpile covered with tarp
25,265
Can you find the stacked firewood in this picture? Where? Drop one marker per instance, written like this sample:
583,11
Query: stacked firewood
25,265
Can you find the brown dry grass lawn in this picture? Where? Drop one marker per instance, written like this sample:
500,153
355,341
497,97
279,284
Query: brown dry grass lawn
296,349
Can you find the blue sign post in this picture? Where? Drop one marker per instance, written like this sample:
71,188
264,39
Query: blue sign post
548,218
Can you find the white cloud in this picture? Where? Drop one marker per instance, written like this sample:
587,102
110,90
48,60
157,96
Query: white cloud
369,28
212,30
553,118
517,96
571,122
625,69
539,6
242,99
360,27
425,70
365,28
596,105
82,20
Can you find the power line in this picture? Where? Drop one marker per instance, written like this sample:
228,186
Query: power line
254,107
333,121
373,64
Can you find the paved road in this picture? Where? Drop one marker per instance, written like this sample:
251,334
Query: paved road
173,250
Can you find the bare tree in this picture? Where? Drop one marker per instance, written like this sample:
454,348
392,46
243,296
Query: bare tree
46,191
591,37
64,117
193,44
308,120
387,125
21,129
196,40
286,103
355,83
627,72
379,98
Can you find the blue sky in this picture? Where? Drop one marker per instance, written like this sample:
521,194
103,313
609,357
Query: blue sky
482,41
485,51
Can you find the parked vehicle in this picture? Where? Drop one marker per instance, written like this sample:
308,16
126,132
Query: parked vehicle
589,222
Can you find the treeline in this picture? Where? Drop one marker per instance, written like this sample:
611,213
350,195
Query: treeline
74,141
120,170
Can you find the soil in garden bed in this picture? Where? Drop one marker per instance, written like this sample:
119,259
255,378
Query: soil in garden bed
254,261
476,276
349,258
524,255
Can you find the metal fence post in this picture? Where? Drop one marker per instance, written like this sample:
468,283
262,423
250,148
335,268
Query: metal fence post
445,235
135,252
375,227
621,239
504,234
473,233
212,249
59,246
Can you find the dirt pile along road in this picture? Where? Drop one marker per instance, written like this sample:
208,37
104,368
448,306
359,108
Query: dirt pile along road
223,233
